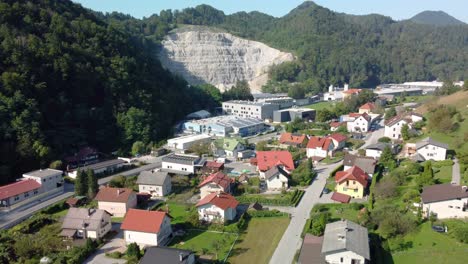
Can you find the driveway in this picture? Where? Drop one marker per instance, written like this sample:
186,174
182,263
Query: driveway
456,172
291,240
115,244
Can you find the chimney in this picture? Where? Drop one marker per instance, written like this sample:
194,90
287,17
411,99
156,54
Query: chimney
89,212
464,188
118,192
181,257
330,88
346,87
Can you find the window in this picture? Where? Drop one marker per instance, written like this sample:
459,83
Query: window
16,198
26,195
450,206
458,207
341,260
36,192
354,182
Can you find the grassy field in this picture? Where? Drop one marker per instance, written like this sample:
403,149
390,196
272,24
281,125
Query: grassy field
320,105
444,174
339,211
428,246
179,212
259,241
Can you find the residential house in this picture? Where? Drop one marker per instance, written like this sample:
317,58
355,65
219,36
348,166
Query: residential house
83,157
215,183
181,164
416,117
146,228
212,166
311,250
293,139
339,141
229,147
19,191
108,166
393,126
375,150
358,123
351,92
367,108
319,148
156,183
367,164
351,182
86,223
445,200
268,159
276,178
217,207
116,201
430,149
49,179
345,242
76,201
167,256
335,125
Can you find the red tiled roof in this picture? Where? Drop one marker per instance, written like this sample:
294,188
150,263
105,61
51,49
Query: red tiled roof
221,200
354,114
368,106
143,220
116,195
354,174
219,178
19,187
357,115
352,91
269,159
290,138
338,137
336,124
395,120
214,164
340,197
319,142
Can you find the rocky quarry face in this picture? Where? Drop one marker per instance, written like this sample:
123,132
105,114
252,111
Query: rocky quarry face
202,55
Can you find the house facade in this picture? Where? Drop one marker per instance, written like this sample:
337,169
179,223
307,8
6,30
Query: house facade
146,228
49,179
266,160
17,192
445,200
181,164
339,141
292,139
116,201
215,183
375,150
367,164
86,223
229,147
430,149
367,108
156,183
345,242
351,182
319,147
217,207
358,123
107,166
276,179
393,127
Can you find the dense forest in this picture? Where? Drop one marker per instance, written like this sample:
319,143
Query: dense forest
334,48
70,78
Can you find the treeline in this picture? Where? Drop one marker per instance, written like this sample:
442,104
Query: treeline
334,48
71,78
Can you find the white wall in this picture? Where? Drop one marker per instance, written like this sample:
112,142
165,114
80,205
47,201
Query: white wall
347,257
156,190
447,209
394,131
316,153
229,214
360,124
276,182
178,167
141,238
374,153
431,152
48,183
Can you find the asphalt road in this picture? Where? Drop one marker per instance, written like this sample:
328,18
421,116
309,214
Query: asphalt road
131,172
456,172
255,140
291,240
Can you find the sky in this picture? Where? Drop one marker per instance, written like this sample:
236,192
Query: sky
397,9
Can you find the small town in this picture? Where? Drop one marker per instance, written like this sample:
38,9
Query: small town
288,171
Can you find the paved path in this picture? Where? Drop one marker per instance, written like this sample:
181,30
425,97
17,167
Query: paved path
255,140
291,240
375,135
456,172
20,214
115,244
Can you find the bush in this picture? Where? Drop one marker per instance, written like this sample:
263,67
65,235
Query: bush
266,213
60,206
56,165
318,223
291,198
442,163
385,140
115,254
339,168
133,251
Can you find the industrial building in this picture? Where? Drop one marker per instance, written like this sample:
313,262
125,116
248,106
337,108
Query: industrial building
290,114
222,126
185,142
250,109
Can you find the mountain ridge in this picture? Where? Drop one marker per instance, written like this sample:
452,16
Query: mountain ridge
437,18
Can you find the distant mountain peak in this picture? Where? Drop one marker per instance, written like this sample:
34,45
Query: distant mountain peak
437,18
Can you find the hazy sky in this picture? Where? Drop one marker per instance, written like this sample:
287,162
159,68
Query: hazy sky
397,9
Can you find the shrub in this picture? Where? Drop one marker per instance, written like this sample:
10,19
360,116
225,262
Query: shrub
133,251
266,213
339,168
385,140
442,163
60,206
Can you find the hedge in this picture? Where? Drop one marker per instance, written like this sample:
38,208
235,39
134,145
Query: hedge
442,163
339,168
287,200
266,213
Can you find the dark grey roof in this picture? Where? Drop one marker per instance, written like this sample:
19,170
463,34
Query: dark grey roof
417,157
429,141
43,173
181,159
311,250
271,172
101,165
152,178
165,255
345,235
379,146
367,164
77,218
443,192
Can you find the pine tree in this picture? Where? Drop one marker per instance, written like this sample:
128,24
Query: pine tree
387,158
405,132
93,185
81,183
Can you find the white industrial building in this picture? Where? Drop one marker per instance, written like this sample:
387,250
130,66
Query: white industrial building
250,109
222,126
185,142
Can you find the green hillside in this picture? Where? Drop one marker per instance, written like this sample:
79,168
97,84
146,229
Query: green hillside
436,18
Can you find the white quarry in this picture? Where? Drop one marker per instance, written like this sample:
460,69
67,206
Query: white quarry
205,55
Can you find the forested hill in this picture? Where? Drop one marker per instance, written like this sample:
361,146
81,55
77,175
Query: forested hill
335,48
71,79
436,18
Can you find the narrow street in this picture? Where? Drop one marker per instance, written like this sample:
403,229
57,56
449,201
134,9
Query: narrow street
456,172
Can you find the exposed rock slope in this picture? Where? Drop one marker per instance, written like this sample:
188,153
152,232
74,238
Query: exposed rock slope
203,55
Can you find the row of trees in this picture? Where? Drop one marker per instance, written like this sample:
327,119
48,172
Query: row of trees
86,183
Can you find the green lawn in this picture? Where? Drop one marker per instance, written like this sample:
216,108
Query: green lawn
431,247
340,211
205,243
321,105
178,211
259,241
444,174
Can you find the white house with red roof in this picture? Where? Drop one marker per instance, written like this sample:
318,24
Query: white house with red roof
146,228
358,122
319,148
352,182
215,183
335,125
116,201
367,108
292,139
393,126
19,191
339,140
217,207
266,160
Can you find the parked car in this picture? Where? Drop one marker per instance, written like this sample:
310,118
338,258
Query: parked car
326,191
439,229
